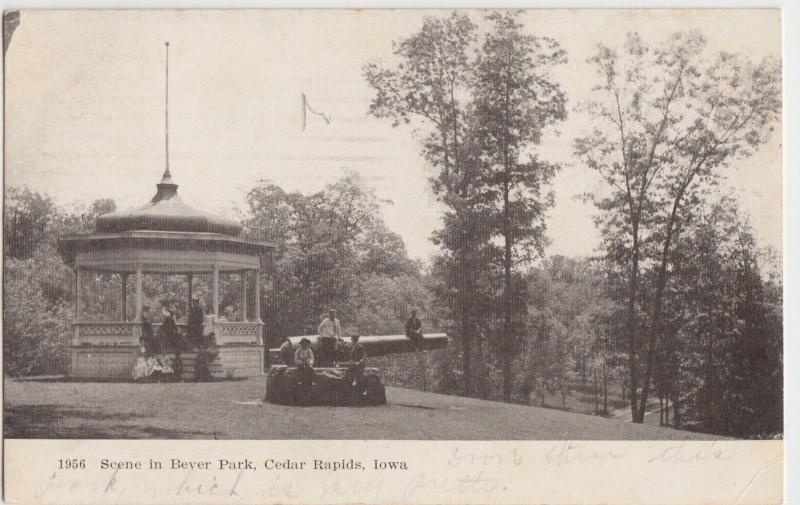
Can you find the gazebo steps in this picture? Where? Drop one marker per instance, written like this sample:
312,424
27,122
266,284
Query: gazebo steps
189,368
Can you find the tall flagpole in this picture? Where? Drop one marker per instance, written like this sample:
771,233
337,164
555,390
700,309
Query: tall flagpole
166,117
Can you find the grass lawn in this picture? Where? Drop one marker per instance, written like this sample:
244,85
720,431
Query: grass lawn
42,408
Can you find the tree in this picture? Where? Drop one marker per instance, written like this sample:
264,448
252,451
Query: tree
36,319
569,317
668,119
37,286
482,115
26,217
515,101
428,86
731,333
329,244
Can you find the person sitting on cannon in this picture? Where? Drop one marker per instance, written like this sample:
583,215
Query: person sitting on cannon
330,331
286,353
304,361
358,361
414,330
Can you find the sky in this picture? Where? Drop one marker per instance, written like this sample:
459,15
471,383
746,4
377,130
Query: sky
85,108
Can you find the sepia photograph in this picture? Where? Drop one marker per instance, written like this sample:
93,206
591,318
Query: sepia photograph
476,225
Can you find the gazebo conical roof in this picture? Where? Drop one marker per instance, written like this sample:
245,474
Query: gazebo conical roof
166,211
144,237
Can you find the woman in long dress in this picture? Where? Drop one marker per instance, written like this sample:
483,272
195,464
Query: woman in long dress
151,363
168,332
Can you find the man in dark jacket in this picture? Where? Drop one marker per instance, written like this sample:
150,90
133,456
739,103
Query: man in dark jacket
195,323
414,330
358,361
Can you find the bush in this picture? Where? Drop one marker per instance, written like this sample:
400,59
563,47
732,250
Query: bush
36,330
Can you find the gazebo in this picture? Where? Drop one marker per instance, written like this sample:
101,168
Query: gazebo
166,237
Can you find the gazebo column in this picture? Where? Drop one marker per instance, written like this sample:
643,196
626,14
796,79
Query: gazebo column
257,311
257,299
244,295
190,281
139,294
78,294
215,292
124,297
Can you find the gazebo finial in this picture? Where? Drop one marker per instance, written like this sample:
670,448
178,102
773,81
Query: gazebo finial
167,178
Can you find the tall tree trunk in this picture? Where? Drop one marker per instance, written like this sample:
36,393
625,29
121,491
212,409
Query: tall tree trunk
583,369
466,339
633,289
676,406
463,311
656,333
465,271
545,371
562,383
710,381
507,291
605,389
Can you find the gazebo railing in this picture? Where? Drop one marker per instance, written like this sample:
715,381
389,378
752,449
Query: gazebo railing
106,333
128,333
238,332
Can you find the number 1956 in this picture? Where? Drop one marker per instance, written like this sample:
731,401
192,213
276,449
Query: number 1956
71,464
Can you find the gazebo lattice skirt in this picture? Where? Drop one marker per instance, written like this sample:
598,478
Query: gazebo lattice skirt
108,351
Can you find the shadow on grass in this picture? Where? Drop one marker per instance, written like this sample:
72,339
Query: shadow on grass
55,421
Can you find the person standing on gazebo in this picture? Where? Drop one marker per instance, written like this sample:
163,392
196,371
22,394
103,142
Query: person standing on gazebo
208,350
330,331
170,340
147,340
195,324
168,332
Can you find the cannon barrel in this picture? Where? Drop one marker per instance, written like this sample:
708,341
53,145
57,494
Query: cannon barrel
378,345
